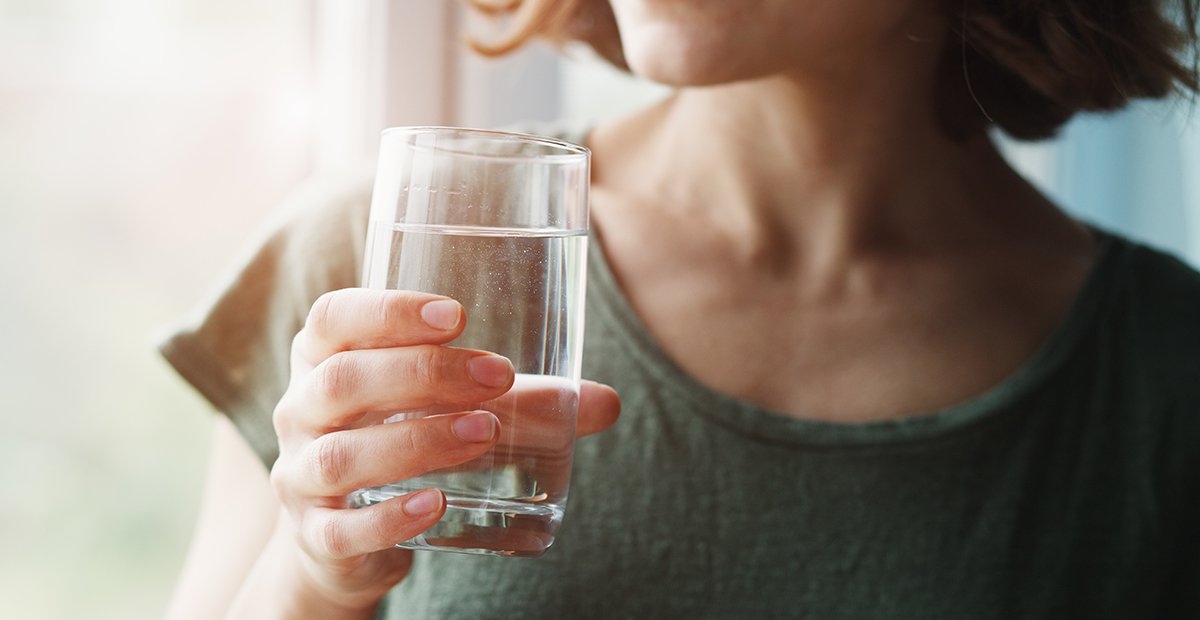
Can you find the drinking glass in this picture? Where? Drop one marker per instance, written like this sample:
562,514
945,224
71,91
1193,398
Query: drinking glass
497,221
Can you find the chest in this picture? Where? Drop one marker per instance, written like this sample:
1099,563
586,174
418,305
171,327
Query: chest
672,516
890,342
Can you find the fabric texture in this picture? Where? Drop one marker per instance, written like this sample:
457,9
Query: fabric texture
235,350
1068,490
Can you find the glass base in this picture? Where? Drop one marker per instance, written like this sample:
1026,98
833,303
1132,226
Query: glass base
480,526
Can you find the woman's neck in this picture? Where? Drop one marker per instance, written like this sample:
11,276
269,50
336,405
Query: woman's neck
817,171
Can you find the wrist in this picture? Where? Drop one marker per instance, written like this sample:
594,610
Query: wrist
282,586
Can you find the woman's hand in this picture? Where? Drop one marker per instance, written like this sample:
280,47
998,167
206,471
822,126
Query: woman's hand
361,354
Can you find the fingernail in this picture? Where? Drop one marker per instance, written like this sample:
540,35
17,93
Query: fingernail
442,314
490,370
423,503
475,428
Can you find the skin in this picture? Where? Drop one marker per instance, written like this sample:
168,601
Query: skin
305,554
803,235
802,215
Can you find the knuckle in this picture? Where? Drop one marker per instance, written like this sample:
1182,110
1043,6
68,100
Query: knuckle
411,442
380,530
321,314
427,368
298,344
298,339
280,479
276,478
337,377
329,460
283,414
331,539
390,309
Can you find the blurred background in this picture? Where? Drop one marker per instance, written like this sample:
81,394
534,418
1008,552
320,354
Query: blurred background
142,142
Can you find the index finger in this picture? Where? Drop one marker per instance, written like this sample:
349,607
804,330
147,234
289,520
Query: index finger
356,318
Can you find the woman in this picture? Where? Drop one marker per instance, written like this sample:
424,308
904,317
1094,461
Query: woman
867,370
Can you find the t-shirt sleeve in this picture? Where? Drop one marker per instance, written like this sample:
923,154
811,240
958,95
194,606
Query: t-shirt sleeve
235,349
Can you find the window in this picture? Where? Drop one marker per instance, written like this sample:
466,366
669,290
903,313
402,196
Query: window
141,140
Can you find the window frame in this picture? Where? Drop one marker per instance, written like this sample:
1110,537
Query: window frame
369,54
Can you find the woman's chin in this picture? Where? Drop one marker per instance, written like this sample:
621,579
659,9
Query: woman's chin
678,64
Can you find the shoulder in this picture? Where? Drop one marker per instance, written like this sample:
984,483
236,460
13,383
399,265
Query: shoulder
1162,277
323,214
310,244
234,346
1151,350
1158,304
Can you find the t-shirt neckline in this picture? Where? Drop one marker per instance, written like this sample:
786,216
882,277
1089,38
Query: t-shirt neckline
751,419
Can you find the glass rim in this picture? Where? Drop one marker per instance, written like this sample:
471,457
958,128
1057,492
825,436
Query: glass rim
571,152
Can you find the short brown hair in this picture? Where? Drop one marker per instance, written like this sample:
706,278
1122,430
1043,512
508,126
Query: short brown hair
1025,66
1031,65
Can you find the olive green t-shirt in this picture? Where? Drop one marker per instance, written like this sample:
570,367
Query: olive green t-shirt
1069,490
